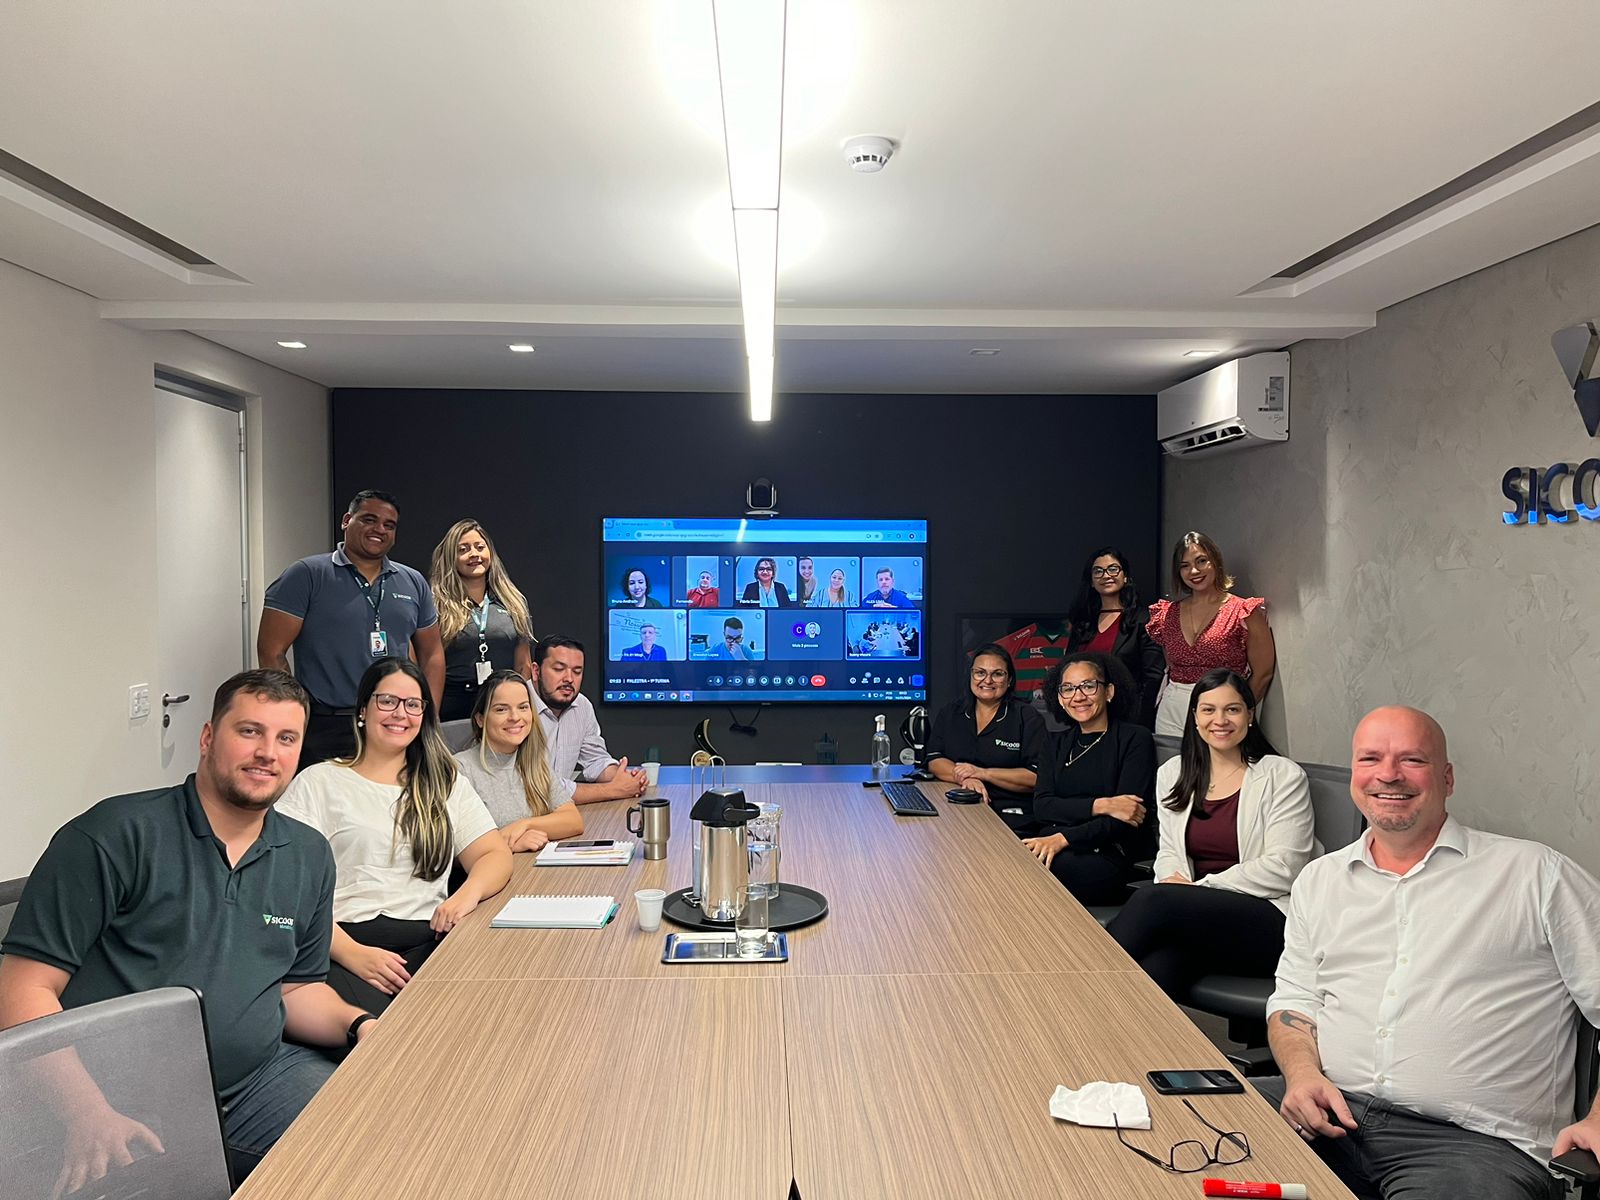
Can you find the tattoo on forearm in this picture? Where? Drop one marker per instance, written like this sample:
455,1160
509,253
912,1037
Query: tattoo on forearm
1299,1021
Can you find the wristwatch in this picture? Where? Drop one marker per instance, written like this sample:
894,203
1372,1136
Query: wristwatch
350,1035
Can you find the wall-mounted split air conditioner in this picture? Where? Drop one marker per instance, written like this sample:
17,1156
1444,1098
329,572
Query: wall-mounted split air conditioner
1234,406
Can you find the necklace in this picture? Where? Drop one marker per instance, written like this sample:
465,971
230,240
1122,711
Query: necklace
1215,784
1072,758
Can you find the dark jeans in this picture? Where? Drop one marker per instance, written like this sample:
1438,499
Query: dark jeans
459,697
257,1117
412,940
1178,932
1093,878
328,735
1397,1155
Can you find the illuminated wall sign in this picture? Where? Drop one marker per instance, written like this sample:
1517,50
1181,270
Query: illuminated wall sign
1536,492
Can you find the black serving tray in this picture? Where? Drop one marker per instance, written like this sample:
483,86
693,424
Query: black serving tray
794,907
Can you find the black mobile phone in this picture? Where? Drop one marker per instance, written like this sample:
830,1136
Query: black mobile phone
962,796
579,845
1193,1083
921,776
1576,1163
870,783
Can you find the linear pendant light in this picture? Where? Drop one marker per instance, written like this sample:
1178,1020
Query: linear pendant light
750,69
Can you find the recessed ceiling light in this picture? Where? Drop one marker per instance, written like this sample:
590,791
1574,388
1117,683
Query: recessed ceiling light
293,345
983,352
1201,353
520,347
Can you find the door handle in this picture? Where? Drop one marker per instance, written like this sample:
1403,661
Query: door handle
167,701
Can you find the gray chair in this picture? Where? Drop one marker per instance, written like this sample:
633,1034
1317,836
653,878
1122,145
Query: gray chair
10,895
1243,999
148,1055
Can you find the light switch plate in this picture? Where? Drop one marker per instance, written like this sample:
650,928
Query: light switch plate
138,701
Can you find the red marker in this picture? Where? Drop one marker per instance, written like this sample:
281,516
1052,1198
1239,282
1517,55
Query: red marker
1270,1191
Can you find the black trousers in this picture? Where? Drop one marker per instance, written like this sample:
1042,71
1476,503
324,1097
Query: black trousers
328,735
1093,878
459,697
1178,932
412,940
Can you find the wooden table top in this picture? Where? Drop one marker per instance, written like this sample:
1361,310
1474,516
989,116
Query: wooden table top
908,1048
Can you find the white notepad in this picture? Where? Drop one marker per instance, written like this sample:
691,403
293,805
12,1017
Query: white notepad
560,854
554,912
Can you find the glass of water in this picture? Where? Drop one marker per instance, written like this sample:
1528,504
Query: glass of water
750,923
762,835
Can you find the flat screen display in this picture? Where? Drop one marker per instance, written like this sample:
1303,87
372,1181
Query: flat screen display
721,610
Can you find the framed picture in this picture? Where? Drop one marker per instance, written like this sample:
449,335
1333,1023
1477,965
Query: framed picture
1035,641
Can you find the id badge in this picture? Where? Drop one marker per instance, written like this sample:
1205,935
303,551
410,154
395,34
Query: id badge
484,670
378,640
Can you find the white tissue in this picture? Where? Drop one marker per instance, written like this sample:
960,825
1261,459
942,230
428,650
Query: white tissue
1093,1104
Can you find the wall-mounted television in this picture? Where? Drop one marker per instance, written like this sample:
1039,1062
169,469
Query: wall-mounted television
727,610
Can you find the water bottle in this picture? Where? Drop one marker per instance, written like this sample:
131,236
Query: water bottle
880,750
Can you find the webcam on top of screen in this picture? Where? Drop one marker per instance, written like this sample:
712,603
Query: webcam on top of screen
761,497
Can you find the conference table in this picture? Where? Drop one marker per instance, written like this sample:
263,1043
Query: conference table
908,1048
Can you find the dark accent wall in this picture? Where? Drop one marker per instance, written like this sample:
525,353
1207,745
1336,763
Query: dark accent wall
1016,490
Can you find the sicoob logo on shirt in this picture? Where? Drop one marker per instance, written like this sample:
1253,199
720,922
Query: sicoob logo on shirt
280,922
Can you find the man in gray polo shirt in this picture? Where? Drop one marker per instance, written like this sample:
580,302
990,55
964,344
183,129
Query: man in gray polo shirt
340,612
201,885
572,731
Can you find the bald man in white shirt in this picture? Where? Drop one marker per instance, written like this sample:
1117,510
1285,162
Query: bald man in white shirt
1427,1000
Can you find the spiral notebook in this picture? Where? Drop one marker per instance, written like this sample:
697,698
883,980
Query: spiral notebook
555,912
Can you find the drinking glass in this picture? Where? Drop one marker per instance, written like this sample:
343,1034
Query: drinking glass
750,922
762,833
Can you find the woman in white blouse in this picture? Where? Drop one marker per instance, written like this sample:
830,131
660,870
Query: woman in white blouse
397,814
1236,828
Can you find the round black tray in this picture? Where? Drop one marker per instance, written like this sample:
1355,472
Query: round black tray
794,907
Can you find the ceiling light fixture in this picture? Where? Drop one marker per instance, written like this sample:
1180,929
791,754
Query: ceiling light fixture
983,352
1201,353
749,35
520,347
293,345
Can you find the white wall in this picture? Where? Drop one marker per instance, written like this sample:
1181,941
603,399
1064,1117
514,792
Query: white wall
77,511
1375,535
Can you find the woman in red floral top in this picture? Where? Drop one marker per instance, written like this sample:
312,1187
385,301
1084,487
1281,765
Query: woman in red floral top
1208,628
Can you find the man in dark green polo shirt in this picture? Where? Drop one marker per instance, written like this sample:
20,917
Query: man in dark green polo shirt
200,885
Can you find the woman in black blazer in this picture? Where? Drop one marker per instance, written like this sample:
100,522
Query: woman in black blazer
1094,802
766,581
1107,618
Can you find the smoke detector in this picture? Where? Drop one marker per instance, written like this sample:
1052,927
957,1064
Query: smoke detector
868,153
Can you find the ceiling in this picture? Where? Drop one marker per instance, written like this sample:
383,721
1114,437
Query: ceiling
1090,189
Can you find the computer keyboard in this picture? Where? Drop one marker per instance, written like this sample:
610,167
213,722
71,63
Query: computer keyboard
907,800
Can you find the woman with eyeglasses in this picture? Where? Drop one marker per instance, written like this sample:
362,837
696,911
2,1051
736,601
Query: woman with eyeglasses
1208,628
988,740
483,616
1236,828
766,590
509,768
1092,804
396,814
1107,618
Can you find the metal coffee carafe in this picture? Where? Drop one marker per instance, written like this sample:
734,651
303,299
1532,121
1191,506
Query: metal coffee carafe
724,850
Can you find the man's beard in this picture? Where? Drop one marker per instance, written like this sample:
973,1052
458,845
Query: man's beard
558,705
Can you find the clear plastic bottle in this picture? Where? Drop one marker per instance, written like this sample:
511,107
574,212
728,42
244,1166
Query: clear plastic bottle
880,750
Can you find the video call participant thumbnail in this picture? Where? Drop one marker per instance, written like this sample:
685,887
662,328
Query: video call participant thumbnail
727,636
636,590
646,650
705,593
886,595
766,590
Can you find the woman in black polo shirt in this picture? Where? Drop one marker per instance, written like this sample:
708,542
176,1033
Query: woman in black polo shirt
1094,801
483,617
988,741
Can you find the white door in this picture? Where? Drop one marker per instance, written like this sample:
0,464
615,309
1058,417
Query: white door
199,569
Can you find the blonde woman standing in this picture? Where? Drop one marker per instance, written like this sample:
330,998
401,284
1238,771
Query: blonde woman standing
508,766
396,814
483,618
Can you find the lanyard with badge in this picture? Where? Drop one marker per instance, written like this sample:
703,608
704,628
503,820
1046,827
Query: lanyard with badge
377,640
480,618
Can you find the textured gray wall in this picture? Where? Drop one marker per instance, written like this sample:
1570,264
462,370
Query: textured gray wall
1375,535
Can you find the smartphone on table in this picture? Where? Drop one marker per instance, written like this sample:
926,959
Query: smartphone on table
1194,1083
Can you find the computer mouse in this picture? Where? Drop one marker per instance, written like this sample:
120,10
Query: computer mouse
962,796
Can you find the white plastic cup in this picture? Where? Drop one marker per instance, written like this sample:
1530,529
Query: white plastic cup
649,901
652,773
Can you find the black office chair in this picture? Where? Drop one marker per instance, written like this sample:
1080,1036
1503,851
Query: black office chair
1586,1185
1243,999
10,896
1166,747
148,1055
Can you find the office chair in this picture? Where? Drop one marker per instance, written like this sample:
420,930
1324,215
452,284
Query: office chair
1585,1186
149,1056
10,896
702,738
1243,999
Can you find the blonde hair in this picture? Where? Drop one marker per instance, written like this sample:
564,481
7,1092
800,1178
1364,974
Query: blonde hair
450,594
422,813
532,763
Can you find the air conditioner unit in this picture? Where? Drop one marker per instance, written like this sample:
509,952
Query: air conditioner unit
1239,404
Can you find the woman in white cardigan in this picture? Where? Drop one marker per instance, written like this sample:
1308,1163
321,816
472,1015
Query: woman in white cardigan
1236,829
